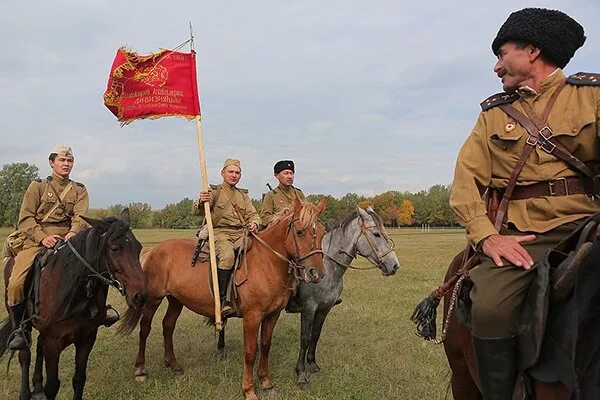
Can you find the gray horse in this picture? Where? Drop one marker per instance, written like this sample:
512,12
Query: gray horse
360,233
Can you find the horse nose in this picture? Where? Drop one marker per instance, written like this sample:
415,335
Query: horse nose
313,274
139,299
395,268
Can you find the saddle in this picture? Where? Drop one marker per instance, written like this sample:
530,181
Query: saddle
559,333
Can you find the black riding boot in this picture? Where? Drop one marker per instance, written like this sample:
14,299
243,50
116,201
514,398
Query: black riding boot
293,305
226,310
19,340
110,319
497,362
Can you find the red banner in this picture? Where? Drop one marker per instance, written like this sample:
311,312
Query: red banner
153,86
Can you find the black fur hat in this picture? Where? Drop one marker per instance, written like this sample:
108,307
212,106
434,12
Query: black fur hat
283,164
556,34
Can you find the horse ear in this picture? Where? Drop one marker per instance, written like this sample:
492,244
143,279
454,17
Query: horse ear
363,214
96,223
125,216
370,209
322,204
296,205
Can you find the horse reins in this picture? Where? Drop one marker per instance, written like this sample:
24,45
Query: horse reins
110,280
294,265
364,229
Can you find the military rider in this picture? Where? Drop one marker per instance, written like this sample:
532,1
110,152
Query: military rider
232,213
283,195
550,196
51,211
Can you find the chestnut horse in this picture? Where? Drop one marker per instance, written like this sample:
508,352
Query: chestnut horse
581,269
289,248
72,300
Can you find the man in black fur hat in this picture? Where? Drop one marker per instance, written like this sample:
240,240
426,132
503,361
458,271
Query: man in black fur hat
534,146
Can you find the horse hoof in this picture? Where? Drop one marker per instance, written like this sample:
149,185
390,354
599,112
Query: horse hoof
271,392
267,385
302,381
140,375
314,368
178,372
251,396
38,396
222,355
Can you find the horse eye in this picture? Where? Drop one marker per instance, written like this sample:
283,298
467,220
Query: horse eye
377,234
114,249
299,233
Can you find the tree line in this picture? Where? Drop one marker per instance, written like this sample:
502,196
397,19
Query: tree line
396,208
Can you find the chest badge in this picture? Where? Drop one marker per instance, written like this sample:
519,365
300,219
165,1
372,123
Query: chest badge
49,194
510,126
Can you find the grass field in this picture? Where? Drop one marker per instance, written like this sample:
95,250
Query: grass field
368,349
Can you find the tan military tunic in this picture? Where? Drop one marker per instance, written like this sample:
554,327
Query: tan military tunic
487,159
490,153
39,199
277,200
230,226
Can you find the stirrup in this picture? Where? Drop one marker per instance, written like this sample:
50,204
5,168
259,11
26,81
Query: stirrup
229,312
18,340
110,320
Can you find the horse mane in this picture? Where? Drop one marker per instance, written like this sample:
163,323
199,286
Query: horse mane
308,214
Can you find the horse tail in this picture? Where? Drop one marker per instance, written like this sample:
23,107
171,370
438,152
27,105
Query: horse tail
130,320
5,332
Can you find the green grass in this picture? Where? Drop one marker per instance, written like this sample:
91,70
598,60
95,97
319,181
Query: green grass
368,349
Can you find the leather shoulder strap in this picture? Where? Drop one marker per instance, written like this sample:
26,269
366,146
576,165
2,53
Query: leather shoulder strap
498,99
584,79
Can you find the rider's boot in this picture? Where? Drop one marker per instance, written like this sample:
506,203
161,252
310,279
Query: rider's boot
19,335
226,310
293,305
110,319
497,362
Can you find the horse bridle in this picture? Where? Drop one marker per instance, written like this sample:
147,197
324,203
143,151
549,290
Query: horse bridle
107,280
364,229
294,265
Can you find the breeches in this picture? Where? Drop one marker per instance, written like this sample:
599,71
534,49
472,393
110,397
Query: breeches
225,240
15,292
498,292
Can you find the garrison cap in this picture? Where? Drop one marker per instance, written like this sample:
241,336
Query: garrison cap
62,150
232,161
556,34
283,165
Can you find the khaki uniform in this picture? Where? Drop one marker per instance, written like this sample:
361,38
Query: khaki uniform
487,159
230,227
277,200
41,198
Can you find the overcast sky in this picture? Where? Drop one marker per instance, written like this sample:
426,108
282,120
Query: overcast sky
365,96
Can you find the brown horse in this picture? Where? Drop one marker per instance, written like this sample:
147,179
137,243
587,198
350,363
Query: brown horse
289,248
72,300
458,340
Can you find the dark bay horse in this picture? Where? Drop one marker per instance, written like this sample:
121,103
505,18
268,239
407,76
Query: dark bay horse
289,248
574,301
72,300
360,233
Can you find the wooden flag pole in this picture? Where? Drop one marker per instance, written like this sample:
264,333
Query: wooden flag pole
211,233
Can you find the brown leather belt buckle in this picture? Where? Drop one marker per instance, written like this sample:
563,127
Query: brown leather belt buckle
551,187
531,140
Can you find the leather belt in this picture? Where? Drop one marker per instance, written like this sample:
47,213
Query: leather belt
62,224
558,187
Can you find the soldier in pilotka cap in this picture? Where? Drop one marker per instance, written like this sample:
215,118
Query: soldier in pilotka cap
51,211
283,195
551,195
232,213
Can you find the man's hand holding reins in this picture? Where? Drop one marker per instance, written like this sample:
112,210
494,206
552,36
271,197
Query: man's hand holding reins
508,247
253,226
50,241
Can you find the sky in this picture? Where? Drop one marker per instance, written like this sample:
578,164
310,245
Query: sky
364,96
